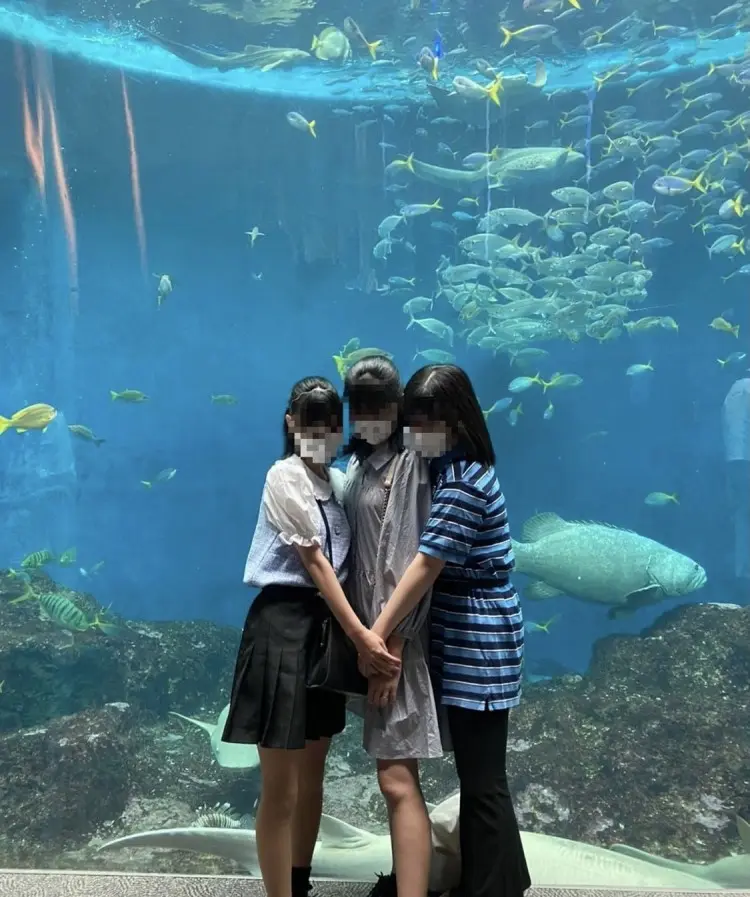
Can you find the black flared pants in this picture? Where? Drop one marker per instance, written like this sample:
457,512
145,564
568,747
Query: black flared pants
492,858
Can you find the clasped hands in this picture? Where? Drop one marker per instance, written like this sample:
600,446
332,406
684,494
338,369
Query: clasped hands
380,662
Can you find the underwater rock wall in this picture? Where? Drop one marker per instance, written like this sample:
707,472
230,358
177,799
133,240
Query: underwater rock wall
68,777
49,671
650,748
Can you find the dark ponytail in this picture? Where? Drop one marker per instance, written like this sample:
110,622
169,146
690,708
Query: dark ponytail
371,385
312,402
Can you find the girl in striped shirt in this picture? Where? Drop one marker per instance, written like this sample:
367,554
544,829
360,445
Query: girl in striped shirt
465,555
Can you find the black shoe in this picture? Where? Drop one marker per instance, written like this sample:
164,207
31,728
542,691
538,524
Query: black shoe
385,886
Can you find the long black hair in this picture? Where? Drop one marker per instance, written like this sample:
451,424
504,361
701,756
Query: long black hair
313,402
371,385
443,392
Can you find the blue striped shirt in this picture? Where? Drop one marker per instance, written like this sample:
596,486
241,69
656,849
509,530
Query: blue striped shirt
477,626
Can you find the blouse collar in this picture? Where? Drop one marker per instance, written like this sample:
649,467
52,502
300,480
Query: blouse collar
321,488
381,456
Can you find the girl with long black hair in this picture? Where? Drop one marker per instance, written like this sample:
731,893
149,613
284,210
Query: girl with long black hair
465,555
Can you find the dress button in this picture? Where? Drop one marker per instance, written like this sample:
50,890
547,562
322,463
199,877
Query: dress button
337,530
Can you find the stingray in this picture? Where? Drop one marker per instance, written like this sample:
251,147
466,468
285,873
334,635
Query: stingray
230,756
252,57
730,872
346,853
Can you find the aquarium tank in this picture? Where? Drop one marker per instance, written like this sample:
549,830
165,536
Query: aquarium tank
202,202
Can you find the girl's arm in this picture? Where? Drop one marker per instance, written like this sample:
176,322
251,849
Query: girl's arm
457,511
290,506
419,577
369,644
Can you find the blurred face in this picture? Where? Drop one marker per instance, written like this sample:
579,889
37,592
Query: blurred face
374,427
427,438
316,444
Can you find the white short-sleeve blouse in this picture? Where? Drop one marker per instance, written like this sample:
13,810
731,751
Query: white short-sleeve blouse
290,498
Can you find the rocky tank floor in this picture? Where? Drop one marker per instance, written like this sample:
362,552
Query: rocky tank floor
651,747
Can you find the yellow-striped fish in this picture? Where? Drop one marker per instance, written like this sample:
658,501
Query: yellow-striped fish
37,559
63,612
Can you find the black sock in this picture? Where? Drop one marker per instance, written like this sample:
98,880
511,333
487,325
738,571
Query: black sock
300,880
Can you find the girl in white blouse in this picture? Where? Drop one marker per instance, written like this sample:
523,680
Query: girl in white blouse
298,560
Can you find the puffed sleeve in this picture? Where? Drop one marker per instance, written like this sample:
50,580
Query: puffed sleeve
290,506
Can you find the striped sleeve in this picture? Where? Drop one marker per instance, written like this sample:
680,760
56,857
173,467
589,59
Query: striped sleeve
455,519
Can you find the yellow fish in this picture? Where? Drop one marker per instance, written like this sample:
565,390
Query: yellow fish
468,88
331,45
401,164
724,326
128,395
636,369
301,123
85,433
68,557
37,559
532,33
659,499
352,29
33,417
531,626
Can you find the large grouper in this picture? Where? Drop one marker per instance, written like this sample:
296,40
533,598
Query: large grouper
602,564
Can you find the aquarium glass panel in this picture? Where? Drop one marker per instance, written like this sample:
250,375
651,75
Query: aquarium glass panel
547,202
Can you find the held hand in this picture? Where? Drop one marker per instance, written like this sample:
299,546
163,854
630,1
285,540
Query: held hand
382,690
363,667
374,654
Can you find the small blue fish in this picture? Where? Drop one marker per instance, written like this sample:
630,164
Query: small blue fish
437,45
514,414
499,405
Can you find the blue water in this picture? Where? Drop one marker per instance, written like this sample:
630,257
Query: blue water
216,158
176,551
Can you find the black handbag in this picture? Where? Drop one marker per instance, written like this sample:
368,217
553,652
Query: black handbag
332,657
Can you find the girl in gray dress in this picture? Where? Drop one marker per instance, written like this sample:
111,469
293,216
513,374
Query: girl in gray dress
387,499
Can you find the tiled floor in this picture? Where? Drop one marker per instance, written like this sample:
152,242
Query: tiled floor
76,884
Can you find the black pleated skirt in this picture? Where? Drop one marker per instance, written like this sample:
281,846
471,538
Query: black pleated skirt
271,705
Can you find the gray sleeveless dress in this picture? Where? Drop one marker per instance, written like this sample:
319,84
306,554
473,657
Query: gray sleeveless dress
386,526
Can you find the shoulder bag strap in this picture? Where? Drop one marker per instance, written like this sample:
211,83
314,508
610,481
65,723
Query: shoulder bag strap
329,546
